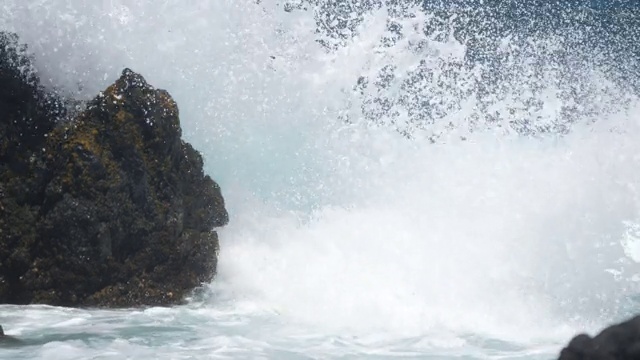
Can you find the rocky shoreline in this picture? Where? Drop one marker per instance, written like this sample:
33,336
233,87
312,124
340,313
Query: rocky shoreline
107,207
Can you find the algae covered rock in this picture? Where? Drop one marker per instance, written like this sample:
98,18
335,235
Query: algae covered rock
121,213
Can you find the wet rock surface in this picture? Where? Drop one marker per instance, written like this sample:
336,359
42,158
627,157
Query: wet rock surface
616,342
7,341
108,208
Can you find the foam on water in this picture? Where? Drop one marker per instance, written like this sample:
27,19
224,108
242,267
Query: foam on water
495,219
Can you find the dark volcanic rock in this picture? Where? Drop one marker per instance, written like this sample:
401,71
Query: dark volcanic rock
617,342
111,208
6,340
29,112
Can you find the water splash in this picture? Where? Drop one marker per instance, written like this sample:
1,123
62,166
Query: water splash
387,171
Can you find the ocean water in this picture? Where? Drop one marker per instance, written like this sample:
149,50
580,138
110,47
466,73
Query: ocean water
403,180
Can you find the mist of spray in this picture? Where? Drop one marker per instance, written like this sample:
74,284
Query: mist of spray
382,173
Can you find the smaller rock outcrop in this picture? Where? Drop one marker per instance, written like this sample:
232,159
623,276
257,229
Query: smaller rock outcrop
616,342
109,208
8,341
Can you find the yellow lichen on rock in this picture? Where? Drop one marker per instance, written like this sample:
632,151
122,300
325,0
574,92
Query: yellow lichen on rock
122,116
168,103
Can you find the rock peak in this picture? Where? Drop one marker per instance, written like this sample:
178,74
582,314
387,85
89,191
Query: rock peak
132,79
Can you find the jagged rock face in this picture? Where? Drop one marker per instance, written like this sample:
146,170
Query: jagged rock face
619,342
122,212
29,112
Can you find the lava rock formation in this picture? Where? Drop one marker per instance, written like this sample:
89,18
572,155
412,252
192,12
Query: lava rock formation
108,207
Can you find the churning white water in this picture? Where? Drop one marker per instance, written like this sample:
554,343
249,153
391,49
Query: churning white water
390,195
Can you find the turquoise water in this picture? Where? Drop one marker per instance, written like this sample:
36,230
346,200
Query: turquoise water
390,196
